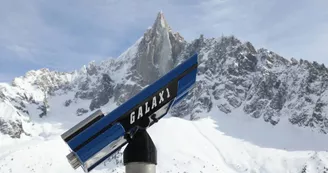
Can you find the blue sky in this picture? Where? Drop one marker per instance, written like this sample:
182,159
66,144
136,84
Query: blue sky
66,34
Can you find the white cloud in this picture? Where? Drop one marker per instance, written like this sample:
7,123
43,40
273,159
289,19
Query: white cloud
64,34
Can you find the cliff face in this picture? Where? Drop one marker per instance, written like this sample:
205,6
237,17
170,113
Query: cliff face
232,76
259,83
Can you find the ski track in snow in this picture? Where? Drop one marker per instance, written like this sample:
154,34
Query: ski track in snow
229,167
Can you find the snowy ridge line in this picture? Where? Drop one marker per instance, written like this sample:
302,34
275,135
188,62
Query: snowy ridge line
229,166
265,84
280,104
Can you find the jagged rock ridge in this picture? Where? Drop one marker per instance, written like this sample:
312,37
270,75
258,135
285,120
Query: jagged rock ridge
232,76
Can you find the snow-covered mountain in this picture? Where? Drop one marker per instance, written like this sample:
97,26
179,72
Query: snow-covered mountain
216,144
262,83
237,86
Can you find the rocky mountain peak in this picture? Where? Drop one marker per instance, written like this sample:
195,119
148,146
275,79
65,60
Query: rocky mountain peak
158,50
232,76
43,79
160,22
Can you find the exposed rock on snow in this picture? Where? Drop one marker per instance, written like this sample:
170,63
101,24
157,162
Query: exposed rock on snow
232,75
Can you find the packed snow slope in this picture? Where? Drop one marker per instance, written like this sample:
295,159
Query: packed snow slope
218,143
252,110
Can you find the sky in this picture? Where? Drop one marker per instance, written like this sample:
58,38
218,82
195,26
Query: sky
64,35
